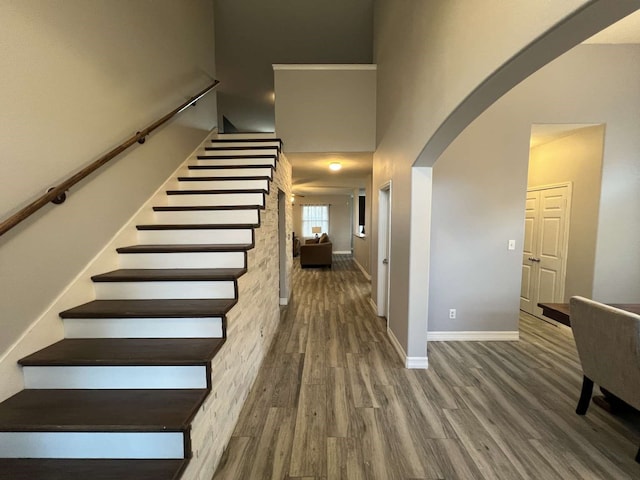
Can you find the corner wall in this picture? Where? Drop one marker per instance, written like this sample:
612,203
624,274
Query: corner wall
79,78
437,70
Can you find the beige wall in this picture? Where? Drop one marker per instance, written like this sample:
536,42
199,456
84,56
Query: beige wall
480,183
576,158
437,68
78,78
339,218
326,108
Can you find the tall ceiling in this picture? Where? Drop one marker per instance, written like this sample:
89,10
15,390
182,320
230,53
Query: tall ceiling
251,35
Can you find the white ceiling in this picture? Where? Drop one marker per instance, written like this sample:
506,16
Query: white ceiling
545,133
626,30
313,177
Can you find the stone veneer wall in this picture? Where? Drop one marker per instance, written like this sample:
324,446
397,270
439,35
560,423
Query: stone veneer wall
251,325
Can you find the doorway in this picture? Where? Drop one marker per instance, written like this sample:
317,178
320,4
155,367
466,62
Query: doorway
384,247
545,247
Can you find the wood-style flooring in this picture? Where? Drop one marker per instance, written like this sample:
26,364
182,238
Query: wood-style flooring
333,401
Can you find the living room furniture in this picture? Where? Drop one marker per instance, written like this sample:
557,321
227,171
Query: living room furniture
316,252
608,343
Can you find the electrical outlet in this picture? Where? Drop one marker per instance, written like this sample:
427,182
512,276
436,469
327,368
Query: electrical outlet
452,313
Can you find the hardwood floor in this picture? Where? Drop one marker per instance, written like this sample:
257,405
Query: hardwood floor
333,401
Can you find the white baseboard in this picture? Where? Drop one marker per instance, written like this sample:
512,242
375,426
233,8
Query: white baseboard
284,301
509,336
342,252
364,272
417,363
409,362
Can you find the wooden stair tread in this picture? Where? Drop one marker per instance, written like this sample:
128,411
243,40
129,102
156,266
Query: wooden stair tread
126,352
94,469
181,208
169,274
100,410
196,226
174,308
186,248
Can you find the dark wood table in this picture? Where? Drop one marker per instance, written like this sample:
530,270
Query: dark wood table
560,311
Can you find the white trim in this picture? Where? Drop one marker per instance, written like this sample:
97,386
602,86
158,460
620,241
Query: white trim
409,362
325,66
364,272
485,336
284,301
342,252
417,363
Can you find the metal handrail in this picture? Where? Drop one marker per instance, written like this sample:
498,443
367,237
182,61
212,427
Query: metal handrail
58,194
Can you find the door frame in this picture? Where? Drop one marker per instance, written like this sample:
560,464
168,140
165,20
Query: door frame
384,249
567,226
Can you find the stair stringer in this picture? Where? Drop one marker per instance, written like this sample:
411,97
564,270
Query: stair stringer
251,325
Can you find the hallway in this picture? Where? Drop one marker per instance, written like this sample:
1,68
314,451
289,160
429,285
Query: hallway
333,400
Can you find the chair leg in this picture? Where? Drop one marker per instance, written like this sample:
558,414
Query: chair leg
585,395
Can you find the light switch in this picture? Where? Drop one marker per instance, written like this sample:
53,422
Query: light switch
512,245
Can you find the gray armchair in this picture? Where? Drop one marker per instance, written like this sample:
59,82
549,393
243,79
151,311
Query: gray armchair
608,342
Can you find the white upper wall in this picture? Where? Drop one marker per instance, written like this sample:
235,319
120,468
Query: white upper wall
77,79
326,108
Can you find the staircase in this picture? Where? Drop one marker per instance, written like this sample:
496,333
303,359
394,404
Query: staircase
117,397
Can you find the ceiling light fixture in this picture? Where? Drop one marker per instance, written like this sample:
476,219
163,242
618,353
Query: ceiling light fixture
335,166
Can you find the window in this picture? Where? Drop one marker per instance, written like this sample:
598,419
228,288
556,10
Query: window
315,216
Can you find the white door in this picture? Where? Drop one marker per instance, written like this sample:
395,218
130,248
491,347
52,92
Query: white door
544,255
384,230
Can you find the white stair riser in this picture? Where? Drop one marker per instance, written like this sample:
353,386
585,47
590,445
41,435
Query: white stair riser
274,144
207,327
91,445
224,185
191,237
227,172
115,377
164,290
199,217
245,136
271,161
241,153
183,260
216,200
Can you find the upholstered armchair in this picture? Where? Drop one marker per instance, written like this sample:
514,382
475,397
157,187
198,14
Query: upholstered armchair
316,252
608,342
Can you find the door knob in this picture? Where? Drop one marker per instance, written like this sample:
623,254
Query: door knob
385,261
533,259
